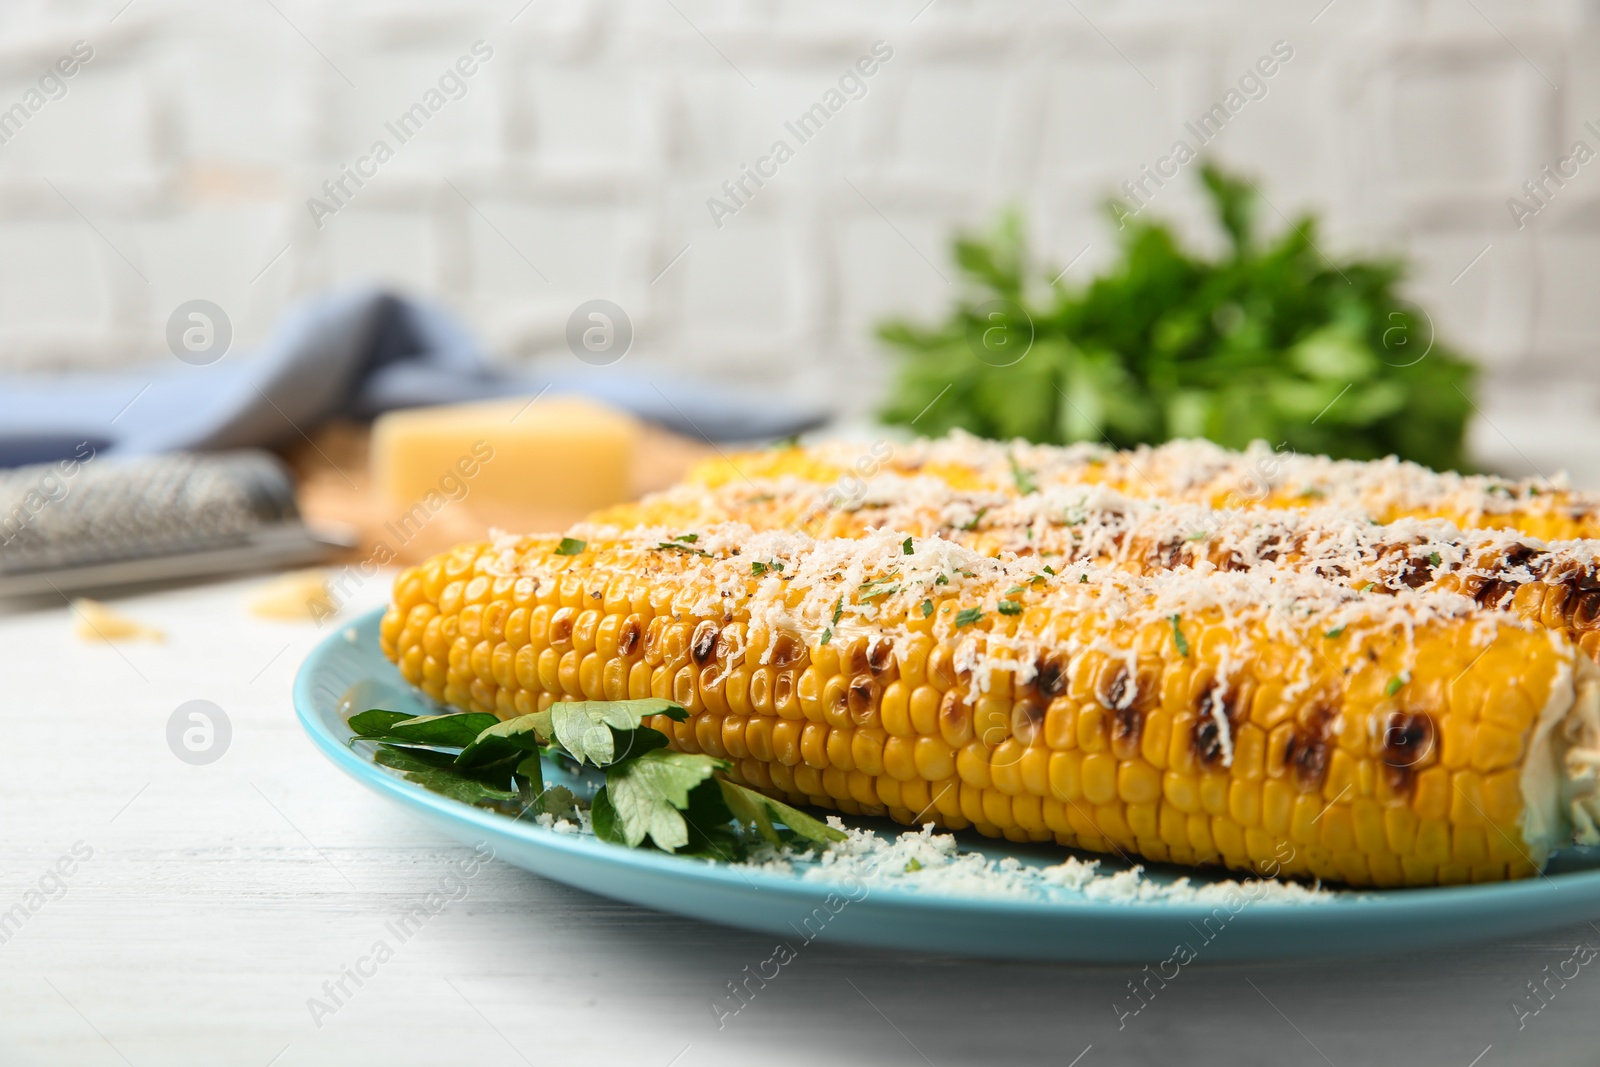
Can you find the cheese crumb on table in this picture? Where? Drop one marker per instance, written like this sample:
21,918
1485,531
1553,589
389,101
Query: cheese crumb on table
298,596
96,622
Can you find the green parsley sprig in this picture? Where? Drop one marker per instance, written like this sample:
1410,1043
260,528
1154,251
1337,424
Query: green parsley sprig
1270,339
678,802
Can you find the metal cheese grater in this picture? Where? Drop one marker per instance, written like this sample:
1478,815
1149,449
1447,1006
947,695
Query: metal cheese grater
100,521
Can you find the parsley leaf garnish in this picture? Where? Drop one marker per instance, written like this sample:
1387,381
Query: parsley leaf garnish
374,723
591,731
434,730
648,795
1178,640
968,616
1009,607
570,546
905,547
927,608
760,810
1026,483
607,731
414,766
885,580
676,801
677,546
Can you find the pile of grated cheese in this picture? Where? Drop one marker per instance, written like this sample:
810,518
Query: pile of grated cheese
1096,523
1197,469
933,863
581,823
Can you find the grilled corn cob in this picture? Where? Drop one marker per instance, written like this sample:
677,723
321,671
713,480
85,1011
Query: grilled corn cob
1255,720
1197,472
1556,586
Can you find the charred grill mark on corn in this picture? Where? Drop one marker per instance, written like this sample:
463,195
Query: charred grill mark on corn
703,647
1216,719
1306,750
1406,745
1074,720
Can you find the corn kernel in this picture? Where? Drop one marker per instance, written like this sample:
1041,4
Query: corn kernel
1466,799
1091,728
1502,796
1244,802
1065,776
1495,747
1099,777
1432,793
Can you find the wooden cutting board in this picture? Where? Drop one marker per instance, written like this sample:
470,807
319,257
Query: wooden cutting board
335,488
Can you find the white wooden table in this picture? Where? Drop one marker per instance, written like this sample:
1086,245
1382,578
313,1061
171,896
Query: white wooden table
218,899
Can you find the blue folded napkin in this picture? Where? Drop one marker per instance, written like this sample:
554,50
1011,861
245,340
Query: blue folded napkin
351,354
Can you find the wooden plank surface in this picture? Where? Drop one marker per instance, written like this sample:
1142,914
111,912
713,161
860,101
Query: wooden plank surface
218,899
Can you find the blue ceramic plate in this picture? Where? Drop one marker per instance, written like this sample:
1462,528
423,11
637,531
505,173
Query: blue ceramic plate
348,672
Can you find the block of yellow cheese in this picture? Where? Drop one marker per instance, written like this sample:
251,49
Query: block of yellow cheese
506,460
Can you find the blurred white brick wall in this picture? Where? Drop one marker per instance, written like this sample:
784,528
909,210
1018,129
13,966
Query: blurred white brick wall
579,162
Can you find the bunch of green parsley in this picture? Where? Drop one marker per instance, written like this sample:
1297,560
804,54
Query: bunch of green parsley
1271,340
677,802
